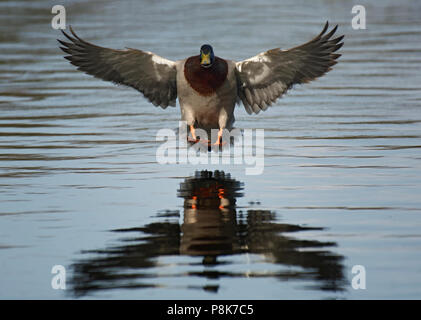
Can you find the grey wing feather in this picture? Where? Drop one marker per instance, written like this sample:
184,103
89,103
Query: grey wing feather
267,76
153,76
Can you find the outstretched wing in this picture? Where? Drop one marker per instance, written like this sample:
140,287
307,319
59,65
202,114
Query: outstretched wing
264,78
152,75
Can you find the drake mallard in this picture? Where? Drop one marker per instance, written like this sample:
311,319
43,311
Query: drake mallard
208,87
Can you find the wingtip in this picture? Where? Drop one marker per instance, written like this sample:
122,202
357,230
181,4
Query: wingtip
338,46
326,26
330,33
334,30
71,30
75,35
62,42
68,36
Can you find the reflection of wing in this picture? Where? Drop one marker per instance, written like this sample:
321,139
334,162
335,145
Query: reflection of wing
152,75
265,77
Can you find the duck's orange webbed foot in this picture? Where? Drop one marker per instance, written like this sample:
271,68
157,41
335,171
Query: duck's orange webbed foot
220,143
194,138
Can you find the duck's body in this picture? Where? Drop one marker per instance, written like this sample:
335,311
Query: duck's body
207,96
208,87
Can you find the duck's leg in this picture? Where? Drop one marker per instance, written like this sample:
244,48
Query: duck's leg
219,138
193,134
194,137
188,117
223,121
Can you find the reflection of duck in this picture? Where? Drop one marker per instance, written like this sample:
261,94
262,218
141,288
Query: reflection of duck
211,228
209,214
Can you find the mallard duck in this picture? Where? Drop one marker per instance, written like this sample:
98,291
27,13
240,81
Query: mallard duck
208,87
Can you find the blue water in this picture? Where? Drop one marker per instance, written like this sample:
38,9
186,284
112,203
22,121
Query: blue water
80,185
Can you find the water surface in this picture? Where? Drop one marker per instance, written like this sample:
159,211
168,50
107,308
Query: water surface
80,185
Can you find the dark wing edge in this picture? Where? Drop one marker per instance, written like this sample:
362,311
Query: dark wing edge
152,75
265,77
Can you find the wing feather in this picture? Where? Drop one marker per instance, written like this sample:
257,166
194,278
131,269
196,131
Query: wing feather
267,76
152,75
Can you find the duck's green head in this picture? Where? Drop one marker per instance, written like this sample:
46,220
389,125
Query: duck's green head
206,56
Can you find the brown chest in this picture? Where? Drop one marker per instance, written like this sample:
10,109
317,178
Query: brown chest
205,80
